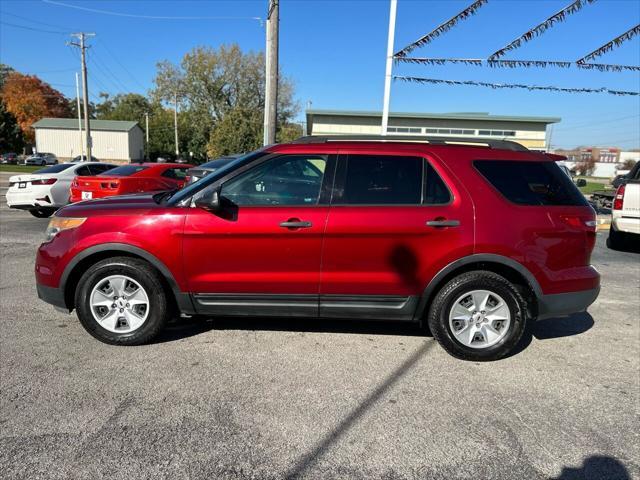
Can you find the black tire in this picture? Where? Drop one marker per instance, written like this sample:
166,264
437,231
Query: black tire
42,212
147,277
615,240
438,320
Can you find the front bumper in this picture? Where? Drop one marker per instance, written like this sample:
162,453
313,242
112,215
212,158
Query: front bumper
52,295
564,304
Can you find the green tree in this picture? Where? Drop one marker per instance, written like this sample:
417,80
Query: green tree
210,84
123,106
11,139
239,131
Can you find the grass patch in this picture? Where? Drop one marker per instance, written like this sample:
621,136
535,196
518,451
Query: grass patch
19,168
592,186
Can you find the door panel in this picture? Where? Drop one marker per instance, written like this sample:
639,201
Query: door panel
261,252
252,253
393,250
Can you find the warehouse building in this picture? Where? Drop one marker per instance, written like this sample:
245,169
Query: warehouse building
112,140
529,131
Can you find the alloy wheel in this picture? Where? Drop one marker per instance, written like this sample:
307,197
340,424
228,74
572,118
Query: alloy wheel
119,304
479,319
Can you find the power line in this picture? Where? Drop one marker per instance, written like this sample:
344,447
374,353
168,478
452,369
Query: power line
103,68
30,20
119,63
596,123
24,27
148,17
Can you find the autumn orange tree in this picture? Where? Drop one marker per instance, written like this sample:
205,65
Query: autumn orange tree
29,99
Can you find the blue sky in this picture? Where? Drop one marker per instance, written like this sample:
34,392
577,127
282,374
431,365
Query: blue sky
335,53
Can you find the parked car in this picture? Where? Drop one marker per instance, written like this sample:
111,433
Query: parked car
625,212
9,159
134,178
196,173
41,159
83,158
44,191
473,241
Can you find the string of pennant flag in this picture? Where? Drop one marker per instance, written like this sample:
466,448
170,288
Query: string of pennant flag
513,85
603,67
495,61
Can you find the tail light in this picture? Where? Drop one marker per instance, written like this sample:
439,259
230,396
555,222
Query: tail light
618,200
74,183
44,181
111,185
580,221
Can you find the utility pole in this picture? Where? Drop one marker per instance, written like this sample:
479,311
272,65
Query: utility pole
271,73
146,131
175,120
387,75
85,89
79,115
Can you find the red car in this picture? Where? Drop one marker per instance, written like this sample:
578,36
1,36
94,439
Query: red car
474,241
134,178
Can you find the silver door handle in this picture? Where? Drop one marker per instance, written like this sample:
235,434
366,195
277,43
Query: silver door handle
296,224
443,223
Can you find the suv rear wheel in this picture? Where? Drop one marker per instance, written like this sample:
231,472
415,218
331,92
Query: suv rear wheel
121,301
478,315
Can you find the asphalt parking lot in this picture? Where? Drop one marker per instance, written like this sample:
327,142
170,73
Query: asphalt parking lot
271,399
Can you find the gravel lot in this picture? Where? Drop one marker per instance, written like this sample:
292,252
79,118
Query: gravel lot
267,399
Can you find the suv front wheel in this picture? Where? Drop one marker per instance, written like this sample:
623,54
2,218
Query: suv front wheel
478,316
121,301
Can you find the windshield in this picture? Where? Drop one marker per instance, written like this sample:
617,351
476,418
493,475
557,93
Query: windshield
55,168
123,171
212,177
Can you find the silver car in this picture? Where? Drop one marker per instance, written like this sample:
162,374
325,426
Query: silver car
41,159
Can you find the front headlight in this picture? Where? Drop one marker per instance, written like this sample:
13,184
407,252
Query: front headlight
58,224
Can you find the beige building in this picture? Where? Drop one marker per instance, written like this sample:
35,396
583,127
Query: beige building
112,140
528,131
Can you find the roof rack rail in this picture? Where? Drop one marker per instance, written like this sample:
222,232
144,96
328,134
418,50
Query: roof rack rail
501,144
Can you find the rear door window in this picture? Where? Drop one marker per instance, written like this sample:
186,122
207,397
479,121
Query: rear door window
381,180
97,169
83,171
531,183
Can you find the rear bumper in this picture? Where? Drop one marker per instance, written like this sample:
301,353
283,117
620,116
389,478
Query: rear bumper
563,304
52,295
626,224
29,200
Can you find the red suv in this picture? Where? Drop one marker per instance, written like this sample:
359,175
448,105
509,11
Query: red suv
472,241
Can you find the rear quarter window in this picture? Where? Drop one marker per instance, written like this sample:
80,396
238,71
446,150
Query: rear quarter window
531,183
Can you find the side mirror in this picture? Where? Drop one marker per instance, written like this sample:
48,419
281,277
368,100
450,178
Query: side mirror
581,182
210,200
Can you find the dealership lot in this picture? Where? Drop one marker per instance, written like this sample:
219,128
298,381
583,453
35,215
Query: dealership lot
268,398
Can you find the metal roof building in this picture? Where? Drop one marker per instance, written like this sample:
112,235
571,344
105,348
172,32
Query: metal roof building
112,140
529,131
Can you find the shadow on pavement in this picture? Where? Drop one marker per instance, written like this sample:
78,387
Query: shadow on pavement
596,467
554,328
562,327
307,460
183,328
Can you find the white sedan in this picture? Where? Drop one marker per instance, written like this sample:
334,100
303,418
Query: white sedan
44,191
